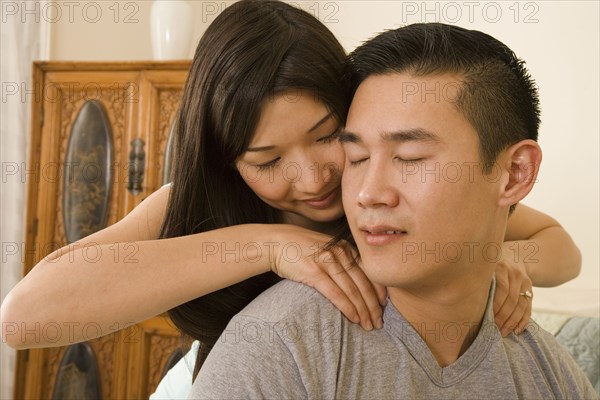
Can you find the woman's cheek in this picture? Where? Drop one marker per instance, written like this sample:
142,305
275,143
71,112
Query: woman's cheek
334,157
270,188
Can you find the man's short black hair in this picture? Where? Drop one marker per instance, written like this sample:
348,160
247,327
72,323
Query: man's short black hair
496,93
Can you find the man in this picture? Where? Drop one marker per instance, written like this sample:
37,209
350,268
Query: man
440,145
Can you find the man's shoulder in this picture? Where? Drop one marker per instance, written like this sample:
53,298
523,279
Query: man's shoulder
252,359
536,337
540,349
534,341
286,300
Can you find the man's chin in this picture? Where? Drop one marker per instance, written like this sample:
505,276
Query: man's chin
389,276
397,274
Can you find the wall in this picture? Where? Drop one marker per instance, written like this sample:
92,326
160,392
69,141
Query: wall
558,39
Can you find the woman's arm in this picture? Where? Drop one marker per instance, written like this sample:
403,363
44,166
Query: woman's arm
123,274
537,252
116,277
538,243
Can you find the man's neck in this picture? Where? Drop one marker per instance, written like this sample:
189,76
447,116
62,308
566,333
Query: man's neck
436,313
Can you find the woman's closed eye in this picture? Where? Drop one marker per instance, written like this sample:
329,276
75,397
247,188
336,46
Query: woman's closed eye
330,138
268,165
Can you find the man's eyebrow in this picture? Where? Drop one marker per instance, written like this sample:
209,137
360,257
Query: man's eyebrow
401,136
348,137
410,135
315,126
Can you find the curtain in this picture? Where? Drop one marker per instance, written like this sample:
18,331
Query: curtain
24,37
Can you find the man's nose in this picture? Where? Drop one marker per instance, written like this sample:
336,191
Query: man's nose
377,188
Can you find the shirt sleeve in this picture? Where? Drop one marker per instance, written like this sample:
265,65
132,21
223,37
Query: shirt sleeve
250,361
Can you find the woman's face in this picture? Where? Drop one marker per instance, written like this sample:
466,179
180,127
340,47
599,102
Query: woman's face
294,161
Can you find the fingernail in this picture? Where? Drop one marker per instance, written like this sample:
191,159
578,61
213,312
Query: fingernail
379,323
518,331
369,326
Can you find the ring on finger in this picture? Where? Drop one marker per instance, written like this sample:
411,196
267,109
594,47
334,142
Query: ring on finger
528,294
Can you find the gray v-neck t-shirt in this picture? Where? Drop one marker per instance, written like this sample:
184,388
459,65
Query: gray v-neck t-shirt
292,343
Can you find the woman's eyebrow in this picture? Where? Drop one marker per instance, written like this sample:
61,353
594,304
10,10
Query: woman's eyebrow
267,148
321,122
262,148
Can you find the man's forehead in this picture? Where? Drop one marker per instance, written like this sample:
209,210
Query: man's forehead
409,87
406,107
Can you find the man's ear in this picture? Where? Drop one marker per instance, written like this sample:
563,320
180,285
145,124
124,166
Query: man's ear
522,162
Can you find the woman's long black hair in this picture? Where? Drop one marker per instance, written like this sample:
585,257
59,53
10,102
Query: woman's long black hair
253,50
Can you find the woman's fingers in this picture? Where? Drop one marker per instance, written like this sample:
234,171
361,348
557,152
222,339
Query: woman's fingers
340,271
522,325
371,315
335,274
501,313
330,289
503,317
519,318
339,264
512,310
370,295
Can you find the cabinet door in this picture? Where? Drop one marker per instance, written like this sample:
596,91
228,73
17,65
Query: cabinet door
84,172
161,91
64,95
152,345
77,157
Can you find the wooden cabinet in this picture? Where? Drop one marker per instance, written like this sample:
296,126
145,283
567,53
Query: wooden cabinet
98,145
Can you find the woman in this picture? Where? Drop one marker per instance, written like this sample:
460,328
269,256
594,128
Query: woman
255,146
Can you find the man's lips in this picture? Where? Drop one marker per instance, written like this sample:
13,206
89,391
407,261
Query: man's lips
379,235
323,201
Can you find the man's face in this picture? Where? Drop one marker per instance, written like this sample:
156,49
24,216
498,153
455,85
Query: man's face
417,201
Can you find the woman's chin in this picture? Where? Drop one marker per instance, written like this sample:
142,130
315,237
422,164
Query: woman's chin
331,213
307,218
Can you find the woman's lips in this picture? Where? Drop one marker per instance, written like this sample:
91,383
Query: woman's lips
324,201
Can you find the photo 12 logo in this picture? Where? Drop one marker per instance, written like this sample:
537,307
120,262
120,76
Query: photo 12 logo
71,11
52,92
470,11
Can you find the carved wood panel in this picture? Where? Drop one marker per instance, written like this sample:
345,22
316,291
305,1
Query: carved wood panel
168,101
104,351
116,112
163,89
65,87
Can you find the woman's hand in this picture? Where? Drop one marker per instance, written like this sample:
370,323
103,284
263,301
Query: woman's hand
512,309
300,256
